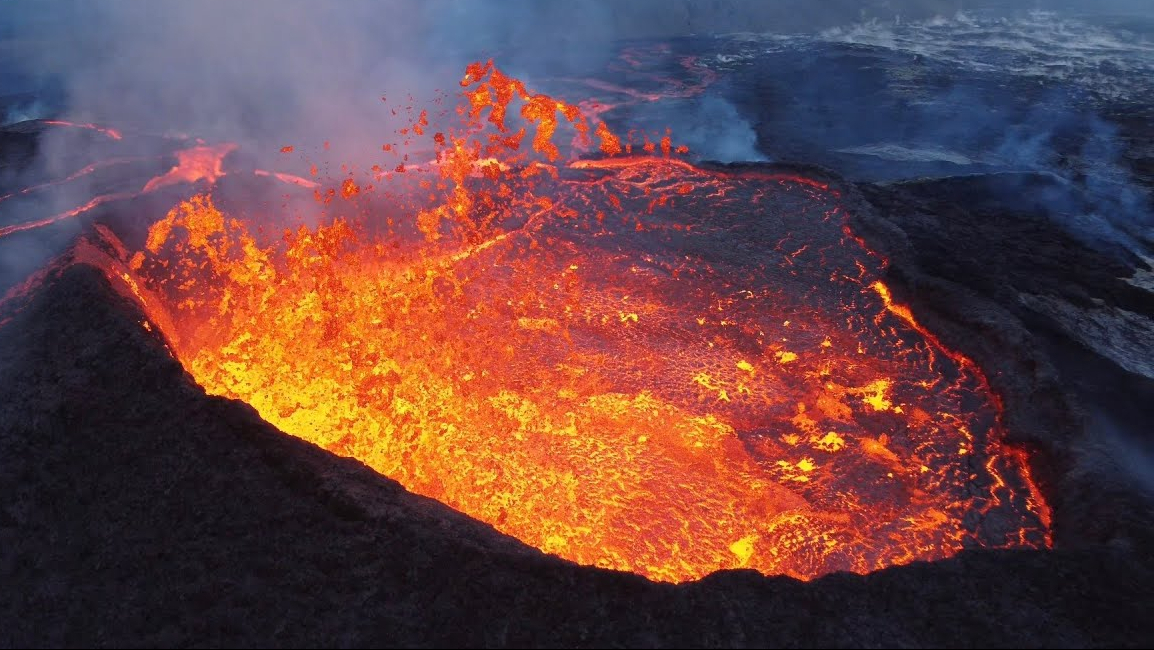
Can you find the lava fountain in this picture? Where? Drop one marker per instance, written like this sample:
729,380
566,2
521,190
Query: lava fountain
630,362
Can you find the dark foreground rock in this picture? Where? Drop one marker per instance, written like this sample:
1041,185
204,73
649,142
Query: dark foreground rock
137,511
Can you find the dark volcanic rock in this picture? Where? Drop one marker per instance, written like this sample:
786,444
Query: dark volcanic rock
137,511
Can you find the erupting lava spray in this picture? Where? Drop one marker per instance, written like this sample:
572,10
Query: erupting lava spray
631,362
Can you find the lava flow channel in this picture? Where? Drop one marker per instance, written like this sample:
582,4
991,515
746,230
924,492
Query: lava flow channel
632,363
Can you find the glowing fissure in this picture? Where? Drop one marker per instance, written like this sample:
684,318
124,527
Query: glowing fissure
630,362
199,163
84,171
103,130
92,203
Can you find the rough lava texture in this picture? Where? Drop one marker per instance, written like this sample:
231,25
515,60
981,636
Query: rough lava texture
137,511
1060,328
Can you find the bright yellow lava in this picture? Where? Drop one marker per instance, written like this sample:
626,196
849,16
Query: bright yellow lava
569,361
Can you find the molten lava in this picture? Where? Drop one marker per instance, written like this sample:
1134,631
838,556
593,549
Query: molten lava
192,165
103,130
633,363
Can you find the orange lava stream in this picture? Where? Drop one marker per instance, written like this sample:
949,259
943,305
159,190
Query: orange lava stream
291,179
194,164
633,363
92,203
111,133
88,169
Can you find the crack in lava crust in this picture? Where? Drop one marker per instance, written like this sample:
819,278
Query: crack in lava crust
632,363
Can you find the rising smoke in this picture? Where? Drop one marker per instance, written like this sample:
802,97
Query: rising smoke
267,74
255,71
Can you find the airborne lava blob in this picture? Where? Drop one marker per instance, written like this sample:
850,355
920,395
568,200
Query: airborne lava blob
633,363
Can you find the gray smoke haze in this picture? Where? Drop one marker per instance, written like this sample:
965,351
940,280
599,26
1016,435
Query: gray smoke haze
269,73
21,112
263,70
251,72
715,130
137,51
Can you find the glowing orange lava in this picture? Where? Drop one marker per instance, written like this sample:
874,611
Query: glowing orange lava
92,203
194,164
103,130
633,363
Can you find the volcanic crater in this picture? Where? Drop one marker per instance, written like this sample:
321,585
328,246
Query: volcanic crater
521,378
